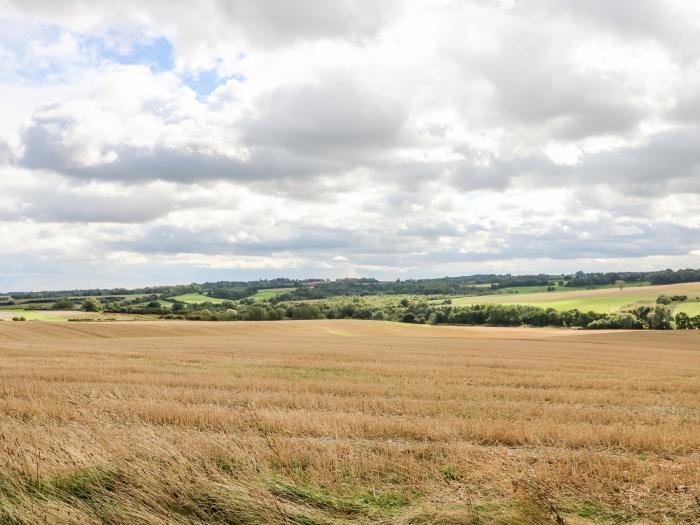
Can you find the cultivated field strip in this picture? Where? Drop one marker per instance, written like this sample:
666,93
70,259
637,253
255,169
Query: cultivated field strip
443,423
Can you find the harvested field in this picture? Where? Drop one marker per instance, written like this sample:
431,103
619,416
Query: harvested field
62,315
311,422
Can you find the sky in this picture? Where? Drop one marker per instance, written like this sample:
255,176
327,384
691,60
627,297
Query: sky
168,142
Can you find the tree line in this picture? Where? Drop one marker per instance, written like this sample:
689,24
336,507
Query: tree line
656,317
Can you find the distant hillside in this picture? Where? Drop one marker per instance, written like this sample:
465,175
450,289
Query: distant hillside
321,288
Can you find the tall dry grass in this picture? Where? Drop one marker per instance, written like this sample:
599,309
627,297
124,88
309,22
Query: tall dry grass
346,422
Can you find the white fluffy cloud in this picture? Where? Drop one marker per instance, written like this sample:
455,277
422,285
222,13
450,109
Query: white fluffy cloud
239,139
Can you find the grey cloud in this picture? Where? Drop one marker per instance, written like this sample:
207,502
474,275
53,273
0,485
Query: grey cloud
537,84
45,148
269,22
288,148
282,238
568,240
334,114
664,163
687,108
392,243
658,166
54,202
670,23
262,23
133,208
6,153
604,239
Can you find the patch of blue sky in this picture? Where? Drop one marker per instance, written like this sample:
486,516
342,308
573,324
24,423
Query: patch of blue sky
28,55
204,82
19,50
156,53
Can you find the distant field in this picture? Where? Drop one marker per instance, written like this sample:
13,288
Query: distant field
62,315
339,422
47,315
376,300
269,293
691,309
197,298
561,298
161,302
536,289
599,300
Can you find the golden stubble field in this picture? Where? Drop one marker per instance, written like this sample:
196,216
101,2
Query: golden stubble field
312,422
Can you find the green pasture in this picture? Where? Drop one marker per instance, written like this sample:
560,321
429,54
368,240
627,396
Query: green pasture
197,298
64,315
47,315
269,293
557,288
377,300
604,300
692,309
162,302
554,300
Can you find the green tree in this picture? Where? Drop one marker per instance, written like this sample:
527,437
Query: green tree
683,321
256,313
178,307
305,311
661,318
63,304
92,305
408,317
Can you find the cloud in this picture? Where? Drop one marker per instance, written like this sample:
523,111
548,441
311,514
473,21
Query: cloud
332,115
47,198
420,137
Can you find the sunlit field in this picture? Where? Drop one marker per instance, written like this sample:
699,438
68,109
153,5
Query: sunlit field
197,298
691,309
315,422
270,293
60,315
603,300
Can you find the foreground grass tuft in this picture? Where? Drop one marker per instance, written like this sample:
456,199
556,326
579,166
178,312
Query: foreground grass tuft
368,503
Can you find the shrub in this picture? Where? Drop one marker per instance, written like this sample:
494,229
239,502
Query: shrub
660,318
178,307
256,313
504,315
306,311
625,321
408,317
663,299
63,304
92,305
362,313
